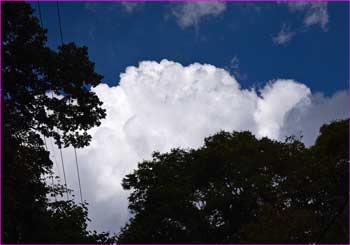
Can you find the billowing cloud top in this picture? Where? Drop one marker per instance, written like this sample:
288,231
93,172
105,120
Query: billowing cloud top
159,106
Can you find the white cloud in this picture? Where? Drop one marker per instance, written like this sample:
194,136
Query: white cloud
284,36
131,7
159,106
234,63
234,67
276,100
306,119
315,13
103,7
192,13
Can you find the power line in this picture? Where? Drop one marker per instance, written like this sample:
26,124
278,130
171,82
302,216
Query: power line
59,21
76,162
64,173
61,35
56,164
46,148
60,149
75,152
40,16
62,162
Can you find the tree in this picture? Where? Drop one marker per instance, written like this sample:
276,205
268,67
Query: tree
239,189
331,153
44,93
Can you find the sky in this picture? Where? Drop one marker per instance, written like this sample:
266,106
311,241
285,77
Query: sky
175,73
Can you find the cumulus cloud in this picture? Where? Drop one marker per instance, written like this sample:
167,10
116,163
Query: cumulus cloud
276,100
284,36
307,117
159,106
192,13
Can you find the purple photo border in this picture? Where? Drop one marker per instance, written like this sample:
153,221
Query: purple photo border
1,124
176,1
164,1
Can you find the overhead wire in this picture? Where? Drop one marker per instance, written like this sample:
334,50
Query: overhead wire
64,173
40,16
45,142
62,161
75,151
59,147
61,36
76,162
59,21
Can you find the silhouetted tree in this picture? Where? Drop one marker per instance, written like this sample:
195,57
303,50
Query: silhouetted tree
44,92
239,189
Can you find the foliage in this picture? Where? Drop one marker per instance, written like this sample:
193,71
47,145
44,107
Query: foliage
32,73
239,189
44,92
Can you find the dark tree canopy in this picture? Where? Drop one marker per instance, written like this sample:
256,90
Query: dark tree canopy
44,92
235,189
32,73
239,189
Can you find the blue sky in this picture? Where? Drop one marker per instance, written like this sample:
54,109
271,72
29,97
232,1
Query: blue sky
157,106
240,39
